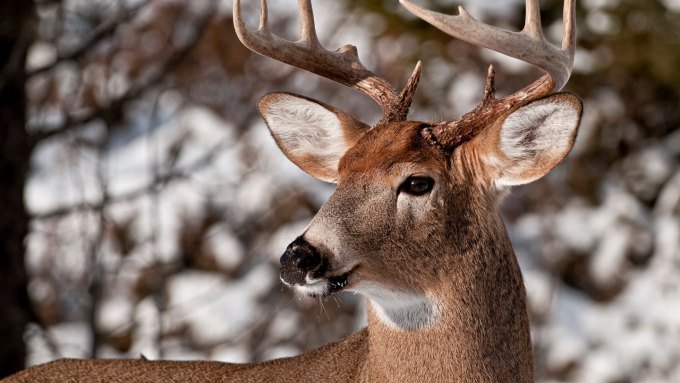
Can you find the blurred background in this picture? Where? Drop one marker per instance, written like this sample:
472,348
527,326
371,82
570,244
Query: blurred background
144,204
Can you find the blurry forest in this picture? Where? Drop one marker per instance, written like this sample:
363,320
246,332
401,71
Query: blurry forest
144,205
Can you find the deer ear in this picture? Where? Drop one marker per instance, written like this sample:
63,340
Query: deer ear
311,134
535,138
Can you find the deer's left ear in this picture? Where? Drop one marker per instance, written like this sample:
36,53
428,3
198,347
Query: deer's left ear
535,138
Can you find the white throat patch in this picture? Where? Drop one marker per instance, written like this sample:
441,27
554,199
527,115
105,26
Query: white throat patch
398,309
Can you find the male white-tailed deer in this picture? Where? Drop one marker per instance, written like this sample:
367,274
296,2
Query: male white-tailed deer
414,224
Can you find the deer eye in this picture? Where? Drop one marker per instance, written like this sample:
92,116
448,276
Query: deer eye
417,185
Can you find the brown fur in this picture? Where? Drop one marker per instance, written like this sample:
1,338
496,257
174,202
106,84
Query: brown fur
462,256
337,363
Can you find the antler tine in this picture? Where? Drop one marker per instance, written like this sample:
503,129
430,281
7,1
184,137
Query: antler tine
264,16
528,45
569,29
308,33
532,21
342,66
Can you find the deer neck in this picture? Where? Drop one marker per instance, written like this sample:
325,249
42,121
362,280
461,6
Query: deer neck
474,323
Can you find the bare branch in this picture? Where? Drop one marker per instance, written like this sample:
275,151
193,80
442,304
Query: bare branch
101,33
136,90
13,70
160,181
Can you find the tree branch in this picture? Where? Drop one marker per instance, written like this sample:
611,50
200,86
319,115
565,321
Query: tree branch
102,32
160,181
135,90
13,69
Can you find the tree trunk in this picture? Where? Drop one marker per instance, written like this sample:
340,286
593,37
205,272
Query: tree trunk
15,154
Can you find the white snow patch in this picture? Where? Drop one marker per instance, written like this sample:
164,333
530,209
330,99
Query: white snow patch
230,354
40,54
280,352
213,308
225,247
115,314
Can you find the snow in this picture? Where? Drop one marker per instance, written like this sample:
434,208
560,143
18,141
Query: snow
607,259
145,331
40,54
215,309
465,92
485,8
672,5
633,335
579,226
71,339
230,354
284,324
281,352
226,248
603,23
115,314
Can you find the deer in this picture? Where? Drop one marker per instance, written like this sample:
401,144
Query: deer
414,224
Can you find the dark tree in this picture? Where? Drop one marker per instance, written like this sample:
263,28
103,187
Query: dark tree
16,21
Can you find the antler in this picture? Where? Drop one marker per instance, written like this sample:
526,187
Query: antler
342,66
529,45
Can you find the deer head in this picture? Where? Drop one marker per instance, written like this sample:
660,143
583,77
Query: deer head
415,201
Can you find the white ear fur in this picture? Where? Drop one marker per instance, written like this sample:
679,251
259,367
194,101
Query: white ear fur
535,138
311,134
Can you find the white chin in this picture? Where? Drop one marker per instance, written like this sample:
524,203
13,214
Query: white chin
316,289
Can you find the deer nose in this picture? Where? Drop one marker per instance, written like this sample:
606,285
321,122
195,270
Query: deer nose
299,259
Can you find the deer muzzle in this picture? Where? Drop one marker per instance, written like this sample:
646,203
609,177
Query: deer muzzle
300,261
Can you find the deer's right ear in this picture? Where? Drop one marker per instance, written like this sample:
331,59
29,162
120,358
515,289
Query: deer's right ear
311,134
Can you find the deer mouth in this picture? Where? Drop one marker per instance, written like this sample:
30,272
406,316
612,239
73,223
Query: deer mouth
319,287
309,271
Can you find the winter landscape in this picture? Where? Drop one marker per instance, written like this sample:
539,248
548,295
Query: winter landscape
159,204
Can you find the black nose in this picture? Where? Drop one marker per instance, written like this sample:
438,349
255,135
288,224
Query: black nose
299,259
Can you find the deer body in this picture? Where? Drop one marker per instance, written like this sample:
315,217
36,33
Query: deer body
414,223
338,362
